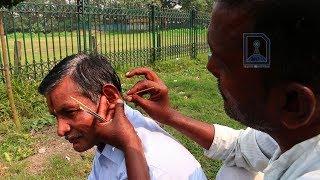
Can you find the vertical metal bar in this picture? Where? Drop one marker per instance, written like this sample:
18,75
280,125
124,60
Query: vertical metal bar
52,37
40,49
65,34
191,36
140,41
59,38
153,35
46,39
32,48
71,32
105,33
79,13
88,11
114,40
195,34
24,46
118,38
83,20
127,35
120,35
95,39
15,42
135,59
100,30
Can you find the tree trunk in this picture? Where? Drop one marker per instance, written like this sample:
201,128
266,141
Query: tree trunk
7,75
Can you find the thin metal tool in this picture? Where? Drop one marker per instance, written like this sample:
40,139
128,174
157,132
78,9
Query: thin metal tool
144,90
88,110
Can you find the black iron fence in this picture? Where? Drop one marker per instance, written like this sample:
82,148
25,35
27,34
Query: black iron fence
39,35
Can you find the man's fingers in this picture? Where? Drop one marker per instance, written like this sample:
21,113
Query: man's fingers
139,101
143,85
148,73
119,108
103,107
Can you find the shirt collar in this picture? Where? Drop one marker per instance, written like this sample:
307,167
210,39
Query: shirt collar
280,162
113,154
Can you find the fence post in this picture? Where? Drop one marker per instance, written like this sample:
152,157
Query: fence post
80,7
93,45
17,56
158,50
153,34
193,34
7,75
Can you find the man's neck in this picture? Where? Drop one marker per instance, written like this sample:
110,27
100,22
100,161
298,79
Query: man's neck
100,147
286,139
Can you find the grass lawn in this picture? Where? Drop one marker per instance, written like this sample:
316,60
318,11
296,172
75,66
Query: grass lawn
193,91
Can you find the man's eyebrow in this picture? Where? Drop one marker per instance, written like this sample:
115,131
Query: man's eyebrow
66,106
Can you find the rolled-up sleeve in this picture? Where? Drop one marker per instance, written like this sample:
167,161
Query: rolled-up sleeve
249,148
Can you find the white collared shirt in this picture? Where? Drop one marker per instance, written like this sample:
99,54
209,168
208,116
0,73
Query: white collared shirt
166,158
257,151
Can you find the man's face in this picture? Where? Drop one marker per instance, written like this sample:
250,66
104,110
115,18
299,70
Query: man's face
241,88
73,123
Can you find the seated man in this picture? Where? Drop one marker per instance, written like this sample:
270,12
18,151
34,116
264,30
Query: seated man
87,78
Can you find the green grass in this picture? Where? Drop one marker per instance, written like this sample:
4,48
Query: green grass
193,91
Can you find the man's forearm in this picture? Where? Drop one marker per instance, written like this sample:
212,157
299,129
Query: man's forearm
200,132
137,168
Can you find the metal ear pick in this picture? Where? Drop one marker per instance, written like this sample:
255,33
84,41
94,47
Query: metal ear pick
88,110
144,90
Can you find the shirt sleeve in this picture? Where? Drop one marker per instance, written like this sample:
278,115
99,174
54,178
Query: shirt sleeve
249,148
198,174
314,175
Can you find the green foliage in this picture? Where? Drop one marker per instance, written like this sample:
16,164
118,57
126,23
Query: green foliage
200,5
39,123
16,147
29,103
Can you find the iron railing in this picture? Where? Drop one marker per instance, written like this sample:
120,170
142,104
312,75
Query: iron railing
39,35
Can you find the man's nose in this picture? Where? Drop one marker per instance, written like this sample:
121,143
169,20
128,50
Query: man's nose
63,127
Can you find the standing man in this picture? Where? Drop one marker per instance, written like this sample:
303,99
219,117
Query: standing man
281,100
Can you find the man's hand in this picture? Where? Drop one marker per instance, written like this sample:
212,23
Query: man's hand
157,106
118,131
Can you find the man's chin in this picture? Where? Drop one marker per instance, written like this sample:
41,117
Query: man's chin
80,148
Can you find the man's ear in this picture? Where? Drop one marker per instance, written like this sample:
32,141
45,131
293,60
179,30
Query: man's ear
298,107
111,92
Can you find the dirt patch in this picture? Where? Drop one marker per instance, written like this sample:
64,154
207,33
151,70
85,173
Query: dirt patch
48,145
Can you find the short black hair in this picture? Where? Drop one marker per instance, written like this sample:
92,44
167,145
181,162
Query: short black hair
293,26
90,71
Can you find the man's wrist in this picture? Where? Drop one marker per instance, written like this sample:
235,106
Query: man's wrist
133,142
172,117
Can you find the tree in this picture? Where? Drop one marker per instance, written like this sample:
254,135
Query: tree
200,5
9,3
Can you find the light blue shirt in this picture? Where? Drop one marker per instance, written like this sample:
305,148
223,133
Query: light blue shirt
167,159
